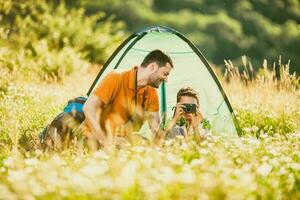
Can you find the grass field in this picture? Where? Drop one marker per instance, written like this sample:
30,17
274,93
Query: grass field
262,164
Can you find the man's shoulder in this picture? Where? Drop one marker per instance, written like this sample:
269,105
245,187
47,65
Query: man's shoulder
119,74
114,74
113,77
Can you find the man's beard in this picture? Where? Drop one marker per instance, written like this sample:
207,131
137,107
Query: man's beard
155,83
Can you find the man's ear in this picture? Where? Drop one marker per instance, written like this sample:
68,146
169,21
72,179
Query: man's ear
153,66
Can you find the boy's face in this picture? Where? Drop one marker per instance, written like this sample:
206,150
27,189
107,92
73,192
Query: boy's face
188,100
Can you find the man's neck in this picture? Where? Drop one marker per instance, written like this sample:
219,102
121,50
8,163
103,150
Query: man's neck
141,77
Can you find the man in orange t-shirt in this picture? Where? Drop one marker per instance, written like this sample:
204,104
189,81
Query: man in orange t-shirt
123,101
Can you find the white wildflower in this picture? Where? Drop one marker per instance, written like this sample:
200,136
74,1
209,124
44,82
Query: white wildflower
264,169
101,154
139,149
184,146
31,161
128,174
174,159
8,162
197,162
5,193
165,174
187,176
168,142
295,166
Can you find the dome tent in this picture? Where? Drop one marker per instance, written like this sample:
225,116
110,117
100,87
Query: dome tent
190,69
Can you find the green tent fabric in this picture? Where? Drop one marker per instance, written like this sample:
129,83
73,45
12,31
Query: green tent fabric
190,69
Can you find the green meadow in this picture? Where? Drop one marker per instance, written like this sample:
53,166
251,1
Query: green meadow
50,53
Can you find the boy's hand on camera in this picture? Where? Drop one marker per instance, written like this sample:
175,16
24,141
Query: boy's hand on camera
179,111
197,119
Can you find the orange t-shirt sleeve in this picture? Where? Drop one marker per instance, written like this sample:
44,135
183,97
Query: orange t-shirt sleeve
153,101
108,88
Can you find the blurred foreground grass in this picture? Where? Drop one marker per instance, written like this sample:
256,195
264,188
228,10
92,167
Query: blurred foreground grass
218,168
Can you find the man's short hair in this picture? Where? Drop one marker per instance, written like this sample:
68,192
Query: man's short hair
157,56
188,91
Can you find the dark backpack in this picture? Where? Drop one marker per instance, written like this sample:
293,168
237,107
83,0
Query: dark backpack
60,132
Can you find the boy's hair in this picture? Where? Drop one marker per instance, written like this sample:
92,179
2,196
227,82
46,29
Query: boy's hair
157,56
188,91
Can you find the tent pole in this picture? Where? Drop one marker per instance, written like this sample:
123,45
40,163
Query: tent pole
163,104
128,48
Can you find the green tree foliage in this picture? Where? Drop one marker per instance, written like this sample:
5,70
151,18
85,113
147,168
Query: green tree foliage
221,29
51,39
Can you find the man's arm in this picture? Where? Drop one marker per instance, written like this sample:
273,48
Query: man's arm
92,110
105,92
154,123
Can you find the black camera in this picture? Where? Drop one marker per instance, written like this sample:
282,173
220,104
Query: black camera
189,108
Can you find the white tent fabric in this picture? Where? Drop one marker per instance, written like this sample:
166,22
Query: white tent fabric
190,69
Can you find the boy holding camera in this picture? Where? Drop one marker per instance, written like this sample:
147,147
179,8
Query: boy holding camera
187,117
